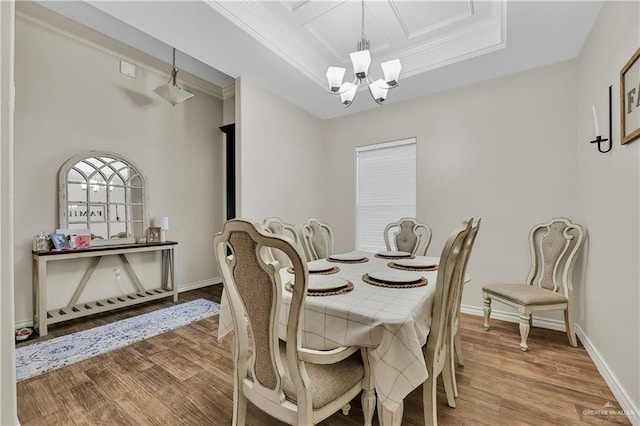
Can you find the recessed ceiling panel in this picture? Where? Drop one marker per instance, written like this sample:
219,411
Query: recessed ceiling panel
417,18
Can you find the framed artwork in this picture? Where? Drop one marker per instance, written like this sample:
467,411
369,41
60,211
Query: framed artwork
59,241
153,234
630,99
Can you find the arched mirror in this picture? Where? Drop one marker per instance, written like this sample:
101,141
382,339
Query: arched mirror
105,193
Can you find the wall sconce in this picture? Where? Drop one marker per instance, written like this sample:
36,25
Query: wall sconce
161,222
599,139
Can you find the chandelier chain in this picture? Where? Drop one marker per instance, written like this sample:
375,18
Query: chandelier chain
363,37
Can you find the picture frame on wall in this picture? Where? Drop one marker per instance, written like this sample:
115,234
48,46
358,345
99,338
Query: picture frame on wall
153,234
630,99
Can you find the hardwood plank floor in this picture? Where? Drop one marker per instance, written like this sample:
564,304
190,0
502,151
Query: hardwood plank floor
185,377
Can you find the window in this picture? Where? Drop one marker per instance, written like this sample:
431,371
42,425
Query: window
385,191
105,193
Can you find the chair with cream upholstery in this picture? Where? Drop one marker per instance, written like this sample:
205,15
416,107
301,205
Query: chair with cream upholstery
436,351
276,226
297,385
555,247
317,239
455,348
408,235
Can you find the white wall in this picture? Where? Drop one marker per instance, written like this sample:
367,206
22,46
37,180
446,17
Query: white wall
282,159
608,300
502,150
72,98
8,404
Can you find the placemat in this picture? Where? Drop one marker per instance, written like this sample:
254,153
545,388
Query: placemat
382,256
367,279
413,268
343,290
333,270
366,259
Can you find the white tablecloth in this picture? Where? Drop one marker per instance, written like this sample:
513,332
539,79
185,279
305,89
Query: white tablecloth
393,322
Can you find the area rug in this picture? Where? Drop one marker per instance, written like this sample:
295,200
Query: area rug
61,351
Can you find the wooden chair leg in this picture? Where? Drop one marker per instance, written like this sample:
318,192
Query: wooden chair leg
458,349
346,409
524,330
487,310
449,380
429,394
568,321
239,407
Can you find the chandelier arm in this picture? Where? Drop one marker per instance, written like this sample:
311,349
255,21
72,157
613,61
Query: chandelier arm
374,98
355,81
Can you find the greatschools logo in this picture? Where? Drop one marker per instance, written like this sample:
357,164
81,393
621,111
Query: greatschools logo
608,412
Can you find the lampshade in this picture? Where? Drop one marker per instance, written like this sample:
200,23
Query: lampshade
334,77
173,94
347,93
161,222
361,61
378,91
391,70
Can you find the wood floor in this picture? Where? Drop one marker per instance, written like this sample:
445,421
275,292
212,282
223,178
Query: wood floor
184,377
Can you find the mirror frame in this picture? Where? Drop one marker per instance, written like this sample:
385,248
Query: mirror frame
63,220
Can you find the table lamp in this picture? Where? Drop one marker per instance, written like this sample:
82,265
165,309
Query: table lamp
161,222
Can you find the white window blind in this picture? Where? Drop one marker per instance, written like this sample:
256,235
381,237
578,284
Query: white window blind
386,189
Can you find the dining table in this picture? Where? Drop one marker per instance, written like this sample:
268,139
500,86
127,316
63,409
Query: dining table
392,322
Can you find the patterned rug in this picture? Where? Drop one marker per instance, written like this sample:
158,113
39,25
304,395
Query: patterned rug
61,351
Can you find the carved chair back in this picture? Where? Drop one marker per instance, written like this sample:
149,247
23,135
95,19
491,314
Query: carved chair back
408,235
276,226
317,239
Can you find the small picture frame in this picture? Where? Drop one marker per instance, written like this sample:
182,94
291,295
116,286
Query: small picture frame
153,234
59,241
630,99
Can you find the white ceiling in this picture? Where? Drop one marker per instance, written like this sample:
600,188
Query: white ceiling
286,46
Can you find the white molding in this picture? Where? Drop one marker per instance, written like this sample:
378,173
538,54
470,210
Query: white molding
632,411
199,284
626,403
182,288
229,91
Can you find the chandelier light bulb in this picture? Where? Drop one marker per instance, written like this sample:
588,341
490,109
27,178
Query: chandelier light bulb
361,61
334,77
391,70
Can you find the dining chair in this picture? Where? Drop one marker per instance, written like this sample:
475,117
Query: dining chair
276,226
297,385
554,247
455,347
317,239
407,234
436,351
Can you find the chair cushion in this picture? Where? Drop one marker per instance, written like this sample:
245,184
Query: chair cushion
524,294
328,381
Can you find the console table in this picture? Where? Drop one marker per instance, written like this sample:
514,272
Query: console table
42,318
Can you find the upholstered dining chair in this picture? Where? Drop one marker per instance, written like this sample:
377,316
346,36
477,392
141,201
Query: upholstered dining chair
297,385
436,351
555,247
317,239
276,226
455,347
407,234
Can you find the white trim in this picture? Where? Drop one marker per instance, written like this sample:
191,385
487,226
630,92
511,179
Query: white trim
626,403
383,145
199,284
632,411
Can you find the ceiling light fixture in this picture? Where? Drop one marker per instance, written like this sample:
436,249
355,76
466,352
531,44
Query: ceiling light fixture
361,59
170,91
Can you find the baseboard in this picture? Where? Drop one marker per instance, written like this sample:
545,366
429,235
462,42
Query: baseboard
199,284
626,403
631,411
186,287
547,323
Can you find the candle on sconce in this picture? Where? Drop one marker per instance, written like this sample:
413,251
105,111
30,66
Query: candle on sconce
595,120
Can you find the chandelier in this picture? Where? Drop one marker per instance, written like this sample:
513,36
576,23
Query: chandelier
361,59
170,91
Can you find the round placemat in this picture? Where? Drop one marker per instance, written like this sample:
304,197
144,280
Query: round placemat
367,279
333,270
413,268
363,260
382,256
343,290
